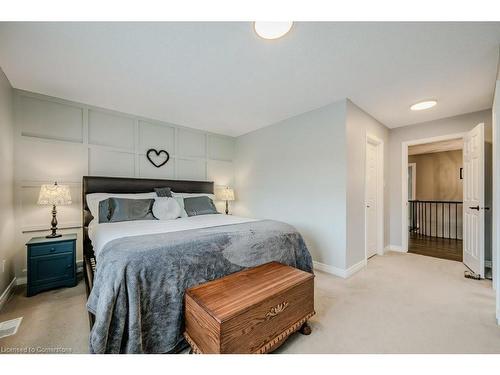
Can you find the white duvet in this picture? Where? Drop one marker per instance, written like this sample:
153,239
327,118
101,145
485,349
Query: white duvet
101,234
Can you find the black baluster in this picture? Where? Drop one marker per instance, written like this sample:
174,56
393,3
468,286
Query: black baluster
418,217
414,217
429,221
425,219
449,220
442,220
436,208
426,224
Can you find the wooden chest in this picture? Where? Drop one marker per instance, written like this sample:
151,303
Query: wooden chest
252,311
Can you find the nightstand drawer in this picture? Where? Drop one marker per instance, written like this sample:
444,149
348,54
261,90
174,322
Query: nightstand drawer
54,248
51,268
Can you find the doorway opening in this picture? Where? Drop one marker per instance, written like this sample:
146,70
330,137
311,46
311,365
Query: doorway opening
435,199
454,222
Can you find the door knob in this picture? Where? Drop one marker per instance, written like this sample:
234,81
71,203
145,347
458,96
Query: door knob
474,208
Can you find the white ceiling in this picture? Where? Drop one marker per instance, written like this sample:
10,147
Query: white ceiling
221,77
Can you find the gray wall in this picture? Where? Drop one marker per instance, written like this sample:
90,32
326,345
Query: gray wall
359,124
6,182
451,125
59,140
295,171
438,175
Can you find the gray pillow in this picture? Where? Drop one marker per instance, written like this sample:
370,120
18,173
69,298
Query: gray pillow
104,211
195,206
163,192
113,210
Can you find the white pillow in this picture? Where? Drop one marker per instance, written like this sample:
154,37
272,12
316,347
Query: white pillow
179,197
94,199
166,208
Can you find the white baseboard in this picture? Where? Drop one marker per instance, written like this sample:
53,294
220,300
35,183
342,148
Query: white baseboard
356,267
329,269
344,273
396,248
7,293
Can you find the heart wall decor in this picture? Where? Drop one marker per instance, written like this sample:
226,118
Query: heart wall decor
157,158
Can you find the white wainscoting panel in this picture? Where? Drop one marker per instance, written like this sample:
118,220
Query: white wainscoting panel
191,143
220,148
59,140
191,169
107,129
157,136
113,163
148,170
42,160
48,119
221,171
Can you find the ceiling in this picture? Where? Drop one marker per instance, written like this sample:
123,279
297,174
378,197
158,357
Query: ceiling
221,77
441,146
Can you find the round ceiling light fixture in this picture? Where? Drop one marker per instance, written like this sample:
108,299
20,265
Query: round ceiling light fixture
425,104
272,30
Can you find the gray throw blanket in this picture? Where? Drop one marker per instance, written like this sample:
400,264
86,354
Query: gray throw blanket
139,285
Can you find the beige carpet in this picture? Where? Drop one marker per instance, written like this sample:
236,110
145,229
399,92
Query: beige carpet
401,303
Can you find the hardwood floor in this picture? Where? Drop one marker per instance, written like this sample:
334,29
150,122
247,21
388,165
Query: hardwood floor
435,247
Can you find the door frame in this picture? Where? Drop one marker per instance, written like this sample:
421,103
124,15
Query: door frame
379,143
496,197
404,179
413,180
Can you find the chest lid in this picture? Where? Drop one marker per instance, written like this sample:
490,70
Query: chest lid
236,293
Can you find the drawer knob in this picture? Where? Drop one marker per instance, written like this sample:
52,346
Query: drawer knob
276,310
52,249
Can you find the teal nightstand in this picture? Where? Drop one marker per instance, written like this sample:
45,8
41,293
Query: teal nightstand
51,263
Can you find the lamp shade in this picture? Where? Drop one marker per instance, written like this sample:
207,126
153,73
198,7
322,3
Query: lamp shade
226,194
54,195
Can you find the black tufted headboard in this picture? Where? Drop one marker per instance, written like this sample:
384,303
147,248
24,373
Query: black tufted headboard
119,185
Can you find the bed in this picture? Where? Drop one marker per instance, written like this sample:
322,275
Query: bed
136,272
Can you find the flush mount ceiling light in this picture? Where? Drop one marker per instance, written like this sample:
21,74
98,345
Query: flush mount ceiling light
272,30
426,104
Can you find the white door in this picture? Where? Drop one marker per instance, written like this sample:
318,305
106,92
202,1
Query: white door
372,170
473,184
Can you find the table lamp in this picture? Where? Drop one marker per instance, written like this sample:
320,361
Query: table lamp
226,194
54,195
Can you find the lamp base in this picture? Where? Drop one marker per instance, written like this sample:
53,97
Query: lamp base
53,225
